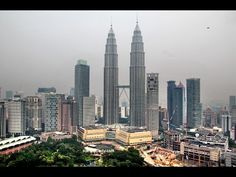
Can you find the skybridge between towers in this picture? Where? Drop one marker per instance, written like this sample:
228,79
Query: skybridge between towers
123,87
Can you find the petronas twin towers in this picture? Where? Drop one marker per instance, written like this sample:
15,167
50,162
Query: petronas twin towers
137,80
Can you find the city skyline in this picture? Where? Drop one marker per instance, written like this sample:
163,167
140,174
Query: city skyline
178,45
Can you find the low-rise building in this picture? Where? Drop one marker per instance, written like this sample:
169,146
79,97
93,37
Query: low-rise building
200,155
54,135
92,133
133,136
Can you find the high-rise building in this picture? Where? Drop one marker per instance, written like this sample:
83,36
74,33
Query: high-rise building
210,118
81,87
66,116
171,107
111,92
73,112
233,114
47,90
179,102
2,119
9,94
88,111
137,80
52,112
33,113
152,105
16,117
232,101
226,124
193,103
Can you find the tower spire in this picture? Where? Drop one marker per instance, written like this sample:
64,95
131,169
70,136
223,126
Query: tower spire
136,18
111,21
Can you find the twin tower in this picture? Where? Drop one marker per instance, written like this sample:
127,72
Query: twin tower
137,80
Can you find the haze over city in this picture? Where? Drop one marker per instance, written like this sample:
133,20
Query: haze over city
41,48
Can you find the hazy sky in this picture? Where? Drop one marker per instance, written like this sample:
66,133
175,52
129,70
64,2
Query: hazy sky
40,48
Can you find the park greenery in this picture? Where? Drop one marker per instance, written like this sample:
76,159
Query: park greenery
68,153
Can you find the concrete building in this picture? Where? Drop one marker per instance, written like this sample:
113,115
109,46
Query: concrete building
33,113
81,87
209,118
66,116
2,119
16,117
88,111
137,80
152,107
193,103
92,133
200,155
133,136
52,112
9,94
73,110
230,159
111,92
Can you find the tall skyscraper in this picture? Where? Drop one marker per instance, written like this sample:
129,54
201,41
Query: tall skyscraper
2,119
16,117
81,87
232,101
152,104
193,103
111,92
33,112
233,114
171,107
179,102
175,104
137,80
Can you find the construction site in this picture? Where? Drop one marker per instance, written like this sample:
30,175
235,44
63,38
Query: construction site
161,157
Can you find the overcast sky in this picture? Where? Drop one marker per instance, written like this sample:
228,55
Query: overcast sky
40,49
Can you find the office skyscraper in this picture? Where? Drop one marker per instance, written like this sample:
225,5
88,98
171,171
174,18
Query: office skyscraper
152,103
193,103
179,102
232,102
111,92
81,87
137,80
171,106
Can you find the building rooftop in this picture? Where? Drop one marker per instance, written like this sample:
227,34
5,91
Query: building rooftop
133,130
